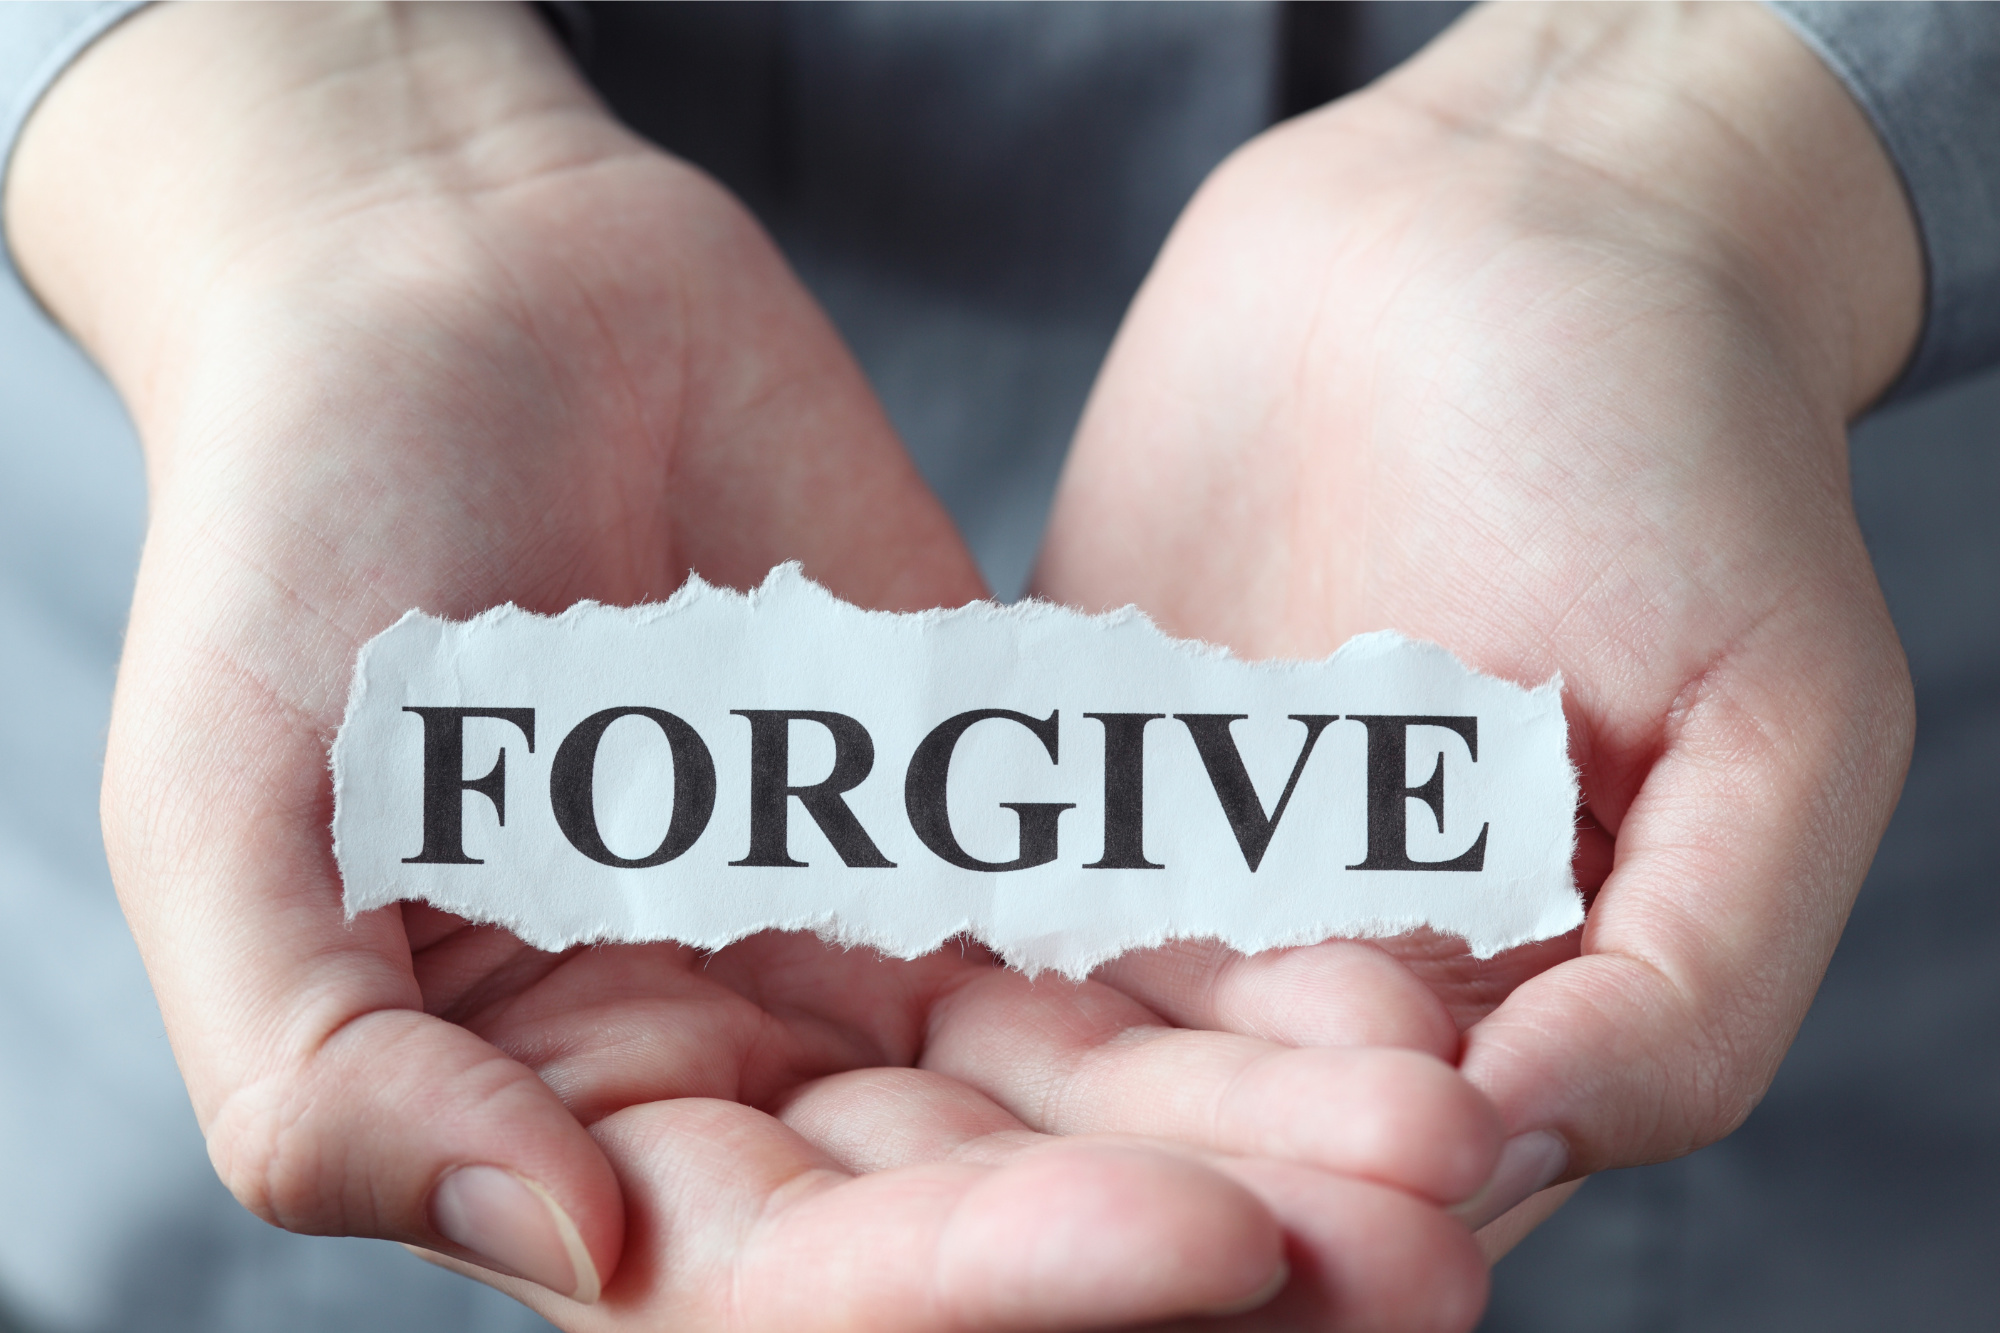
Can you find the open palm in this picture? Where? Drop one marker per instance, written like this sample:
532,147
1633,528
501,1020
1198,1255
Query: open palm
1406,364
536,362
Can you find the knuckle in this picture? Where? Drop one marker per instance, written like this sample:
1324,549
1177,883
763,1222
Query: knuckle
268,1153
1718,1081
1727,1093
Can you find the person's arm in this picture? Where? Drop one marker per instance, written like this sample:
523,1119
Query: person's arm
405,319
1542,348
1927,73
39,41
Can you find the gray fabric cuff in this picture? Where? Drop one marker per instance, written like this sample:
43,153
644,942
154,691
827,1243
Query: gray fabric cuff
38,40
1928,75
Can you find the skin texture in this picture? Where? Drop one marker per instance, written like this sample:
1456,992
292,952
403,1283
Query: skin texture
404,319
1540,349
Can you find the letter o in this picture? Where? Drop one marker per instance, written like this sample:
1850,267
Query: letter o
573,778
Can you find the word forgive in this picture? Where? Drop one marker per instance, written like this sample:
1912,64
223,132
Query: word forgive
771,792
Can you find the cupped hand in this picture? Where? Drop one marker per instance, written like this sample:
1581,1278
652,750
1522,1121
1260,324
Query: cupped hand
405,320
1542,349
807,1137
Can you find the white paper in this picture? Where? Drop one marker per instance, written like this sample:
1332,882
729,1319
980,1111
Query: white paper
594,846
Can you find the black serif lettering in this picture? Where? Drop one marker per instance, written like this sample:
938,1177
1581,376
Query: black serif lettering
1389,793
573,781
445,783
1231,780
1124,792
929,773
771,791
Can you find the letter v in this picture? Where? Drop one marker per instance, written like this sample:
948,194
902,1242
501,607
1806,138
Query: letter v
1231,779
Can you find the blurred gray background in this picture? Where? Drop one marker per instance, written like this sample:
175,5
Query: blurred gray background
975,192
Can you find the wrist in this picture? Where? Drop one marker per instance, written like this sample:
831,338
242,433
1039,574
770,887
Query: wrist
1720,133
199,152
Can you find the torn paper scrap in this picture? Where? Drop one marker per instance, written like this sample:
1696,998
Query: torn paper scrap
1063,787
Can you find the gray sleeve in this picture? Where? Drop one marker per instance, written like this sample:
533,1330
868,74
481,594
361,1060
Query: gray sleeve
1928,75
38,40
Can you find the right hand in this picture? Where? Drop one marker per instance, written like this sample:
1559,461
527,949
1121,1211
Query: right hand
404,319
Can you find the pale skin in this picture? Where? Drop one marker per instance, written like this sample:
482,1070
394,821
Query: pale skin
1543,349
404,319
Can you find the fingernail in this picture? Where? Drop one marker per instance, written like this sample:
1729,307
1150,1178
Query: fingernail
1259,1298
513,1226
1529,1163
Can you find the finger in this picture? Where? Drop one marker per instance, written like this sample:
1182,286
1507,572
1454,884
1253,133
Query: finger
1364,1258
880,1119
736,1222
614,1026
1088,1060
607,1028
1341,993
1504,1232
1360,1255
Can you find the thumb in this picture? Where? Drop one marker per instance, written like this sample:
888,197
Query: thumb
1734,871
406,1127
332,1103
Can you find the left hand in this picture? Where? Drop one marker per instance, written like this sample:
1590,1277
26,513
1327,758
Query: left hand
1542,349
